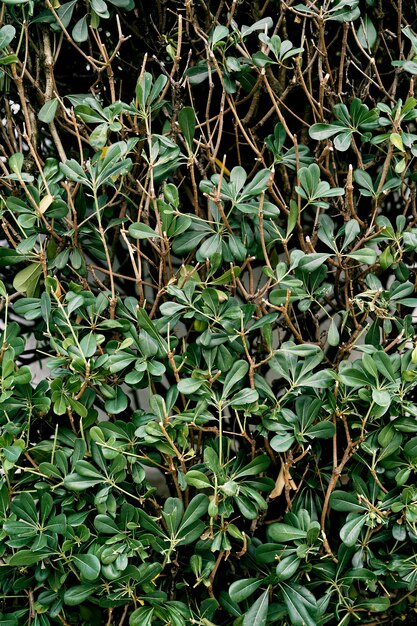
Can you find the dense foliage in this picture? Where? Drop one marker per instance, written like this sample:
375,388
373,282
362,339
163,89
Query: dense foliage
207,352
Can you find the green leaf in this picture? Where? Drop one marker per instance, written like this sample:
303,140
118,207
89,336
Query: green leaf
382,398
345,501
100,7
9,256
88,566
80,30
287,567
73,171
311,262
118,404
16,162
333,336
236,374
98,137
377,605
142,616
9,59
292,217
367,34
365,255
197,74
27,279
239,590
88,345
349,533
47,112
195,510
257,466
322,430
354,377
301,604
142,231
189,385
25,558
282,442
65,12
78,594
197,479
244,397
187,121
105,524
75,482
263,24
324,131
281,533
258,612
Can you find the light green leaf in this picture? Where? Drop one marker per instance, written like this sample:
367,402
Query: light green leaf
80,30
7,34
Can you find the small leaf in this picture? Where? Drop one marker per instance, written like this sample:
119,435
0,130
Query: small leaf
333,336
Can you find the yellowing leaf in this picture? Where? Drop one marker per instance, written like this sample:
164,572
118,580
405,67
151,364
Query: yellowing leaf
220,166
45,203
397,141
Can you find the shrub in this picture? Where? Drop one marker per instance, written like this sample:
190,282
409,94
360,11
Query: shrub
208,361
